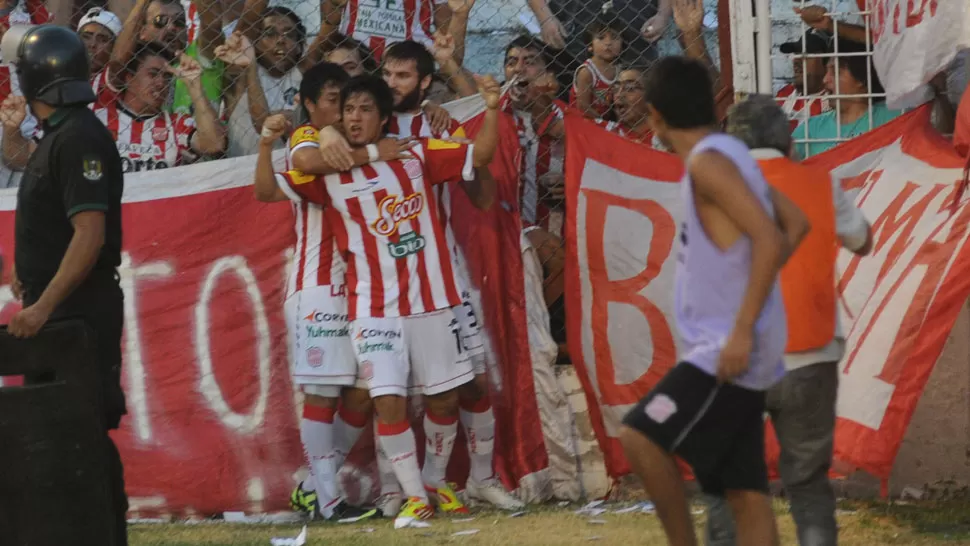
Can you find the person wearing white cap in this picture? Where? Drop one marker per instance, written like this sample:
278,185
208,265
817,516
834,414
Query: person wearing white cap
98,30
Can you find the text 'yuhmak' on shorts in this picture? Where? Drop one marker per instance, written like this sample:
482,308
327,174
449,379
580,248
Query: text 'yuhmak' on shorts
424,352
318,332
717,428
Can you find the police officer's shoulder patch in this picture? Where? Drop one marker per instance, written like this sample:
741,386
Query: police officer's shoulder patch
92,169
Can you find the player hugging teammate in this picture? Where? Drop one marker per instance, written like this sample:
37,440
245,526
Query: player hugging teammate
374,301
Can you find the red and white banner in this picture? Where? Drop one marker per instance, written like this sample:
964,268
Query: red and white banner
913,41
212,423
898,305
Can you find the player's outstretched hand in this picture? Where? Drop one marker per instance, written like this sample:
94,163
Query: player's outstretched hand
735,355
389,149
490,90
335,149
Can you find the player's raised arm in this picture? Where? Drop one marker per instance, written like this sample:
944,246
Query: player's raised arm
264,179
486,141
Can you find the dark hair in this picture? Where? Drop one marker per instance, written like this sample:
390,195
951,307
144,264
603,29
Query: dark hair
533,44
280,11
681,91
374,86
337,41
318,77
860,67
409,50
145,50
603,22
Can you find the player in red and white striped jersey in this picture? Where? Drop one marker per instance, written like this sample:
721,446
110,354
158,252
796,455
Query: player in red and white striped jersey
149,138
407,69
402,288
316,304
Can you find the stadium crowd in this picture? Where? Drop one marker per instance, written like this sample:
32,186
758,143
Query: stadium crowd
179,83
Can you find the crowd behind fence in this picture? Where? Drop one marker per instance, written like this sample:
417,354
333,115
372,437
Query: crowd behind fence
183,82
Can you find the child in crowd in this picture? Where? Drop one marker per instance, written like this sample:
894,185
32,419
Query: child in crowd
594,79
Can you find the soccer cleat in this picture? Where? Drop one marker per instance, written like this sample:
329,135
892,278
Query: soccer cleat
493,492
304,501
415,509
446,499
342,512
389,504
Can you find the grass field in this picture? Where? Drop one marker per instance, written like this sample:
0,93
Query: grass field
862,524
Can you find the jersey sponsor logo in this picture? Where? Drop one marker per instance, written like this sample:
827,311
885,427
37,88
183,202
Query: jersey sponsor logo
130,165
304,134
394,210
92,170
316,316
410,243
377,333
319,332
369,347
314,357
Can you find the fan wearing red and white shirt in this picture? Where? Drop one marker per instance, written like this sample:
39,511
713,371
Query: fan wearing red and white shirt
408,67
805,96
630,108
402,289
380,23
149,138
593,81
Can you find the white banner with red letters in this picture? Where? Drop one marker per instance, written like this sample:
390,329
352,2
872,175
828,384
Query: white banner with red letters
212,413
897,305
914,40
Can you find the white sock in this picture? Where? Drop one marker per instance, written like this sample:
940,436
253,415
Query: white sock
347,428
316,431
398,443
384,468
479,423
440,433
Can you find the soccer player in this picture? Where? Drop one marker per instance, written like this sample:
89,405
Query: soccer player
403,294
735,236
407,68
316,303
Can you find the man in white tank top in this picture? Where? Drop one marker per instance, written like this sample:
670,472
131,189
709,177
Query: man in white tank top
736,233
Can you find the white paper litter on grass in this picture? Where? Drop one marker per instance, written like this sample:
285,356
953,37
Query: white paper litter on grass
367,530
262,519
594,538
648,508
562,504
598,521
299,540
464,533
462,520
592,509
697,511
401,523
516,514
628,510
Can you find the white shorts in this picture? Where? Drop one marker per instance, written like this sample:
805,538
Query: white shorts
471,333
319,340
423,351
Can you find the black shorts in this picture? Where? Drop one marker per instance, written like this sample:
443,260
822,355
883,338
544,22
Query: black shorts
718,429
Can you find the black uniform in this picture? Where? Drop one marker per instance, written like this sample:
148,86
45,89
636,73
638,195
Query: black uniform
76,168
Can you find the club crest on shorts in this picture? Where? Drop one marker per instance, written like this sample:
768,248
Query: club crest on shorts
366,370
660,408
314,357
91,169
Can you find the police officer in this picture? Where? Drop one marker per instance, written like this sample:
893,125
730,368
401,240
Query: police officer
68,223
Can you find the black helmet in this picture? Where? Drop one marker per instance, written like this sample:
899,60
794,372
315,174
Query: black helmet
51,64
